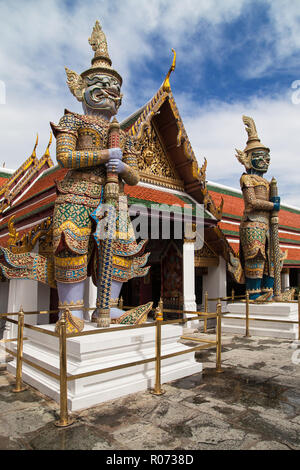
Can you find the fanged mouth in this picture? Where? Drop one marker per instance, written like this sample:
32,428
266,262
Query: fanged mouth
99,95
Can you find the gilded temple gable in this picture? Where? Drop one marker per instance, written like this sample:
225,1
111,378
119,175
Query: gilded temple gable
155,165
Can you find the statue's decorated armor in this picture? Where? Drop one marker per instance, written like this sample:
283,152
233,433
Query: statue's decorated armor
81,191
96,152
255,252
255,230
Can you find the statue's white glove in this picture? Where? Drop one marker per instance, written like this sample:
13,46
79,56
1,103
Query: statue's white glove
115,166
115,154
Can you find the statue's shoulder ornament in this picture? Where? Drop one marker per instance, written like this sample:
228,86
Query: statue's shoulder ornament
69,123
251,181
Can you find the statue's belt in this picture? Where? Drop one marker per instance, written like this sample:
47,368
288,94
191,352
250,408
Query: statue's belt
89,177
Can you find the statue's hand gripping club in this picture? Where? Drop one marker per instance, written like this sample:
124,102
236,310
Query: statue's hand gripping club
115,164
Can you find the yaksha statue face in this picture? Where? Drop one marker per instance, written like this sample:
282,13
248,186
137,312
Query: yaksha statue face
99,87
256,156
103,93
260,160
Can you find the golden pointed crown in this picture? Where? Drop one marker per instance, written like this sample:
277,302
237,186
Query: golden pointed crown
101,63
253,142
99,45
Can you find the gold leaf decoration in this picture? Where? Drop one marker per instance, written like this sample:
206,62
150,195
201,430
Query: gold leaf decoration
75,83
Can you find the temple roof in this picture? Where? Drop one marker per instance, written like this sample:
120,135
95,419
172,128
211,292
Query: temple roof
16,182
162,114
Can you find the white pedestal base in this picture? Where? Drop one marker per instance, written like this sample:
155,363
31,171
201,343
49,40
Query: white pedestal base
270,311
104,350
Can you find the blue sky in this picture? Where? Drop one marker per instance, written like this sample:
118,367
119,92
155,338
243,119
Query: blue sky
234,57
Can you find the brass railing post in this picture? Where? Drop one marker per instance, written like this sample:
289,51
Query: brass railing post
206,311
64,420
232,295
159,318
299,316
19,386
219,337
247,333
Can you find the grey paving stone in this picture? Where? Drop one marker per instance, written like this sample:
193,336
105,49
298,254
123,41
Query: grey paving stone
254,404
76,437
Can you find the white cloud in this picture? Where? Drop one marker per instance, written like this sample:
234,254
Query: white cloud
217,129
43,37
285,18
275,46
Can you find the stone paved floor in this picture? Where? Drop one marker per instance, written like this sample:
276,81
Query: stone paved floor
253,404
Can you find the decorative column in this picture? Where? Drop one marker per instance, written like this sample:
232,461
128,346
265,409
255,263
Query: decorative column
90,297
285,279
215,284
189,298
22,292
4,287
43,302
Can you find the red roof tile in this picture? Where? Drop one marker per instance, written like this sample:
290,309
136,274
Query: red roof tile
154,195
44,183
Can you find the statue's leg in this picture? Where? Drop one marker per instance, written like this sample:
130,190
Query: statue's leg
254,288
253,274
268,280
71,293
267,284
116,287
135,315
71,234
253,240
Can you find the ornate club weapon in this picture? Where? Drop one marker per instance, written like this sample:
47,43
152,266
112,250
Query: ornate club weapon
275,248
111,194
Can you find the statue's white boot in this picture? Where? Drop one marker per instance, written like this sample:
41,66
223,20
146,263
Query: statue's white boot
71,300
135,315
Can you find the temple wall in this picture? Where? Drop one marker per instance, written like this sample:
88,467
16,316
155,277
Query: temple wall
22,293
189,298
285,279
90,297
215,284
4,288
43,302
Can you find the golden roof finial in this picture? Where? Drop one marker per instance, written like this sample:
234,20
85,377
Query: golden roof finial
35,146
47,153
166,84
12,232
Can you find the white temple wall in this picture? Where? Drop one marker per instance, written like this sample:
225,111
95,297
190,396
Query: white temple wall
43,302
4,288
22,293
90,296
285,279
215,284
189,298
